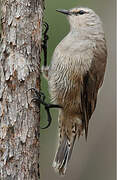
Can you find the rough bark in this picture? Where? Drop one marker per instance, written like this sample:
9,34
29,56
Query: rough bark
19,70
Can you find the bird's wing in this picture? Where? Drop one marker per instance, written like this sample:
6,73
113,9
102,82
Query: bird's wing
88,99
91,82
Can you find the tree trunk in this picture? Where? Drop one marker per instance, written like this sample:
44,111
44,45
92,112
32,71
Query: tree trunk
19,70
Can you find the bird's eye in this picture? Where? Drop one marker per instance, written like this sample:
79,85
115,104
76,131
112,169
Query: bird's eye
81,12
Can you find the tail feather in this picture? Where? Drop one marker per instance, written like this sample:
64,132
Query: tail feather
63,155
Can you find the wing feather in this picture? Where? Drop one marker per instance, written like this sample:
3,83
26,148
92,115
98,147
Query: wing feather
88,100
92,81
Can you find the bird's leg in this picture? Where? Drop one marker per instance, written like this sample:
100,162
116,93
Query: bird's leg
44,42
40,99
44,45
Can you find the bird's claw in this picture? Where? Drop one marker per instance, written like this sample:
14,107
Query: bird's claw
44,42
40,99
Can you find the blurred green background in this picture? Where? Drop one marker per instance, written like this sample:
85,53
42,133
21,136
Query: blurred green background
94,159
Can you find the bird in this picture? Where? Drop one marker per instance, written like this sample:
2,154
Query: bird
74,76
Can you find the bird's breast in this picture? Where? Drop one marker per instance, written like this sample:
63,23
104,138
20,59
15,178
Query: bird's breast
65,83
65,74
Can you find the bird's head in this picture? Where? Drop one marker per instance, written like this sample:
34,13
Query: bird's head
81,18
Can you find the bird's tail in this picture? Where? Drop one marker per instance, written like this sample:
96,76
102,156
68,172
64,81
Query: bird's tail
63,154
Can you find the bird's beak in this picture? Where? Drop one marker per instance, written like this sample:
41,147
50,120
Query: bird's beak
64,11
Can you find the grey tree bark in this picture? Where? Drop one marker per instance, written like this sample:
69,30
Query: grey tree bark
20,49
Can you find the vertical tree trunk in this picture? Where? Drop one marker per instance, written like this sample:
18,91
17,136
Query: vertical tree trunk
19,70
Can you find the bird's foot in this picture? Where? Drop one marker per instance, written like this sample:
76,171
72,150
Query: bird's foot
45,42
40,99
